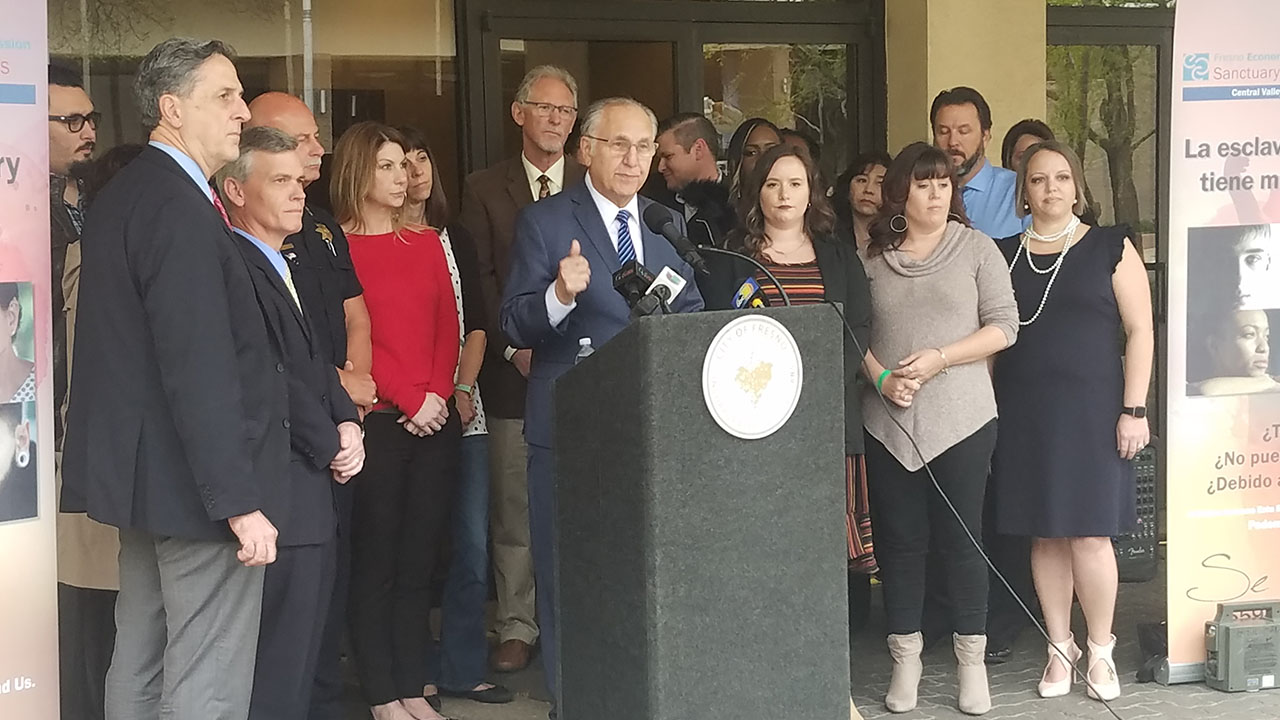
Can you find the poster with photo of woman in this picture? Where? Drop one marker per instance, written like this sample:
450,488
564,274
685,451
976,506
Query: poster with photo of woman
1233,300
17,343
18,486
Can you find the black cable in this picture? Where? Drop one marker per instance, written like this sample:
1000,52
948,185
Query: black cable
786,299
1066,661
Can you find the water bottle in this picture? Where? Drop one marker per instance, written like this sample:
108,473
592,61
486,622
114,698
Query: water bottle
584,350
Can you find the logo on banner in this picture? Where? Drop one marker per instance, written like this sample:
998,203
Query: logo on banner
1195,66
752,377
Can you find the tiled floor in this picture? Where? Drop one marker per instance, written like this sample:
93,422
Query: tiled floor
1012,684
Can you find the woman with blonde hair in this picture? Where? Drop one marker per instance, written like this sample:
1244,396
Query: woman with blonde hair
402,499
1072,409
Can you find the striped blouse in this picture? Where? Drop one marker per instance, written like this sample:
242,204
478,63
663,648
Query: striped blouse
803,282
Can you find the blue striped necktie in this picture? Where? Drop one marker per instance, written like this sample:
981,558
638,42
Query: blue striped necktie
626,250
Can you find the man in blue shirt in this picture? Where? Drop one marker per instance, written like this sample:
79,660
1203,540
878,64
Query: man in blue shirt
263,194
961,120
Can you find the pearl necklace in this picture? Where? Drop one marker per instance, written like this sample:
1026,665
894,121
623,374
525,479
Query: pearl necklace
1057,265
1067,231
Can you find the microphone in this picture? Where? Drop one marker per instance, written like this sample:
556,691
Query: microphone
658,219
657,299
750,295
633,281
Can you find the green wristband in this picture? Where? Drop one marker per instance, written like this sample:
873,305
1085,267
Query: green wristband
460,387
880,381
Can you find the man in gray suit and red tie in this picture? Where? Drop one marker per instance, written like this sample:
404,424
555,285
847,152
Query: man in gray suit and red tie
178,427
559,291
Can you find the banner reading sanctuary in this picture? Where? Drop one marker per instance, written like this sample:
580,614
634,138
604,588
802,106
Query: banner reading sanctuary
28,602
1224,296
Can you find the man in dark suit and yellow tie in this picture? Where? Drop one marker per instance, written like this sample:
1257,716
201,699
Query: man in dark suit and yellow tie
545,108
263,193
560,291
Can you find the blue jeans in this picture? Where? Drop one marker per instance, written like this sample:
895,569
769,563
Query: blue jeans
460,660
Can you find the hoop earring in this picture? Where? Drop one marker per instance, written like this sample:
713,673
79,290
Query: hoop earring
893,223
22,458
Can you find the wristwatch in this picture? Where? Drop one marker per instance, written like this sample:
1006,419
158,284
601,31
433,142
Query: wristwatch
1138,411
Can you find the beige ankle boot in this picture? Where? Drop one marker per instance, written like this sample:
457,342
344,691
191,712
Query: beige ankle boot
905,651
975,694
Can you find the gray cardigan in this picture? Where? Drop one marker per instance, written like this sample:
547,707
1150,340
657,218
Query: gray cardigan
915,305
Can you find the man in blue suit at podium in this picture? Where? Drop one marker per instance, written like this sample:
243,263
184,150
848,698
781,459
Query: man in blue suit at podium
560,290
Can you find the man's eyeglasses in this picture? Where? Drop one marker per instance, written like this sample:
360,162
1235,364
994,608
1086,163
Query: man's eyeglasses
75,123
619,147
545,109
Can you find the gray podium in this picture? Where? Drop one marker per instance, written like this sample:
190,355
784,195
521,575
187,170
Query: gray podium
700,576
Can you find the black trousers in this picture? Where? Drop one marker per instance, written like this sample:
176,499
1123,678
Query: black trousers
399,528
907,511
326,696
295,605
86,638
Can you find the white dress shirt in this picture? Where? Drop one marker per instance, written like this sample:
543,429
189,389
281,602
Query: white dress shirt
558,311
555,174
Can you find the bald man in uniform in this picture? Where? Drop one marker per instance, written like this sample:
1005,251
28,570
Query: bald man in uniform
332,300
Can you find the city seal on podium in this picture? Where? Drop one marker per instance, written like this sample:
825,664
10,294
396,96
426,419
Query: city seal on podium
752,376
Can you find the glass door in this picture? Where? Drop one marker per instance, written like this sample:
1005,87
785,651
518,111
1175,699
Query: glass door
728,61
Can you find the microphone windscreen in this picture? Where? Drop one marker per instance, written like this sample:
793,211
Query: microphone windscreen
748,290
657,217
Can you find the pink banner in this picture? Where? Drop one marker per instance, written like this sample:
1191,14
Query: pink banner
28,601
1224,296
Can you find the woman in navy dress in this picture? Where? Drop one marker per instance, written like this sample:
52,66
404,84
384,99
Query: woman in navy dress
1072,413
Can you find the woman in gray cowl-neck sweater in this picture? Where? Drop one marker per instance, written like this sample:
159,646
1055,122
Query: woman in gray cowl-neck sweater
942,304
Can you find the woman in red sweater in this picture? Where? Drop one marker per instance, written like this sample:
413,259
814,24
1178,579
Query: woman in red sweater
402,498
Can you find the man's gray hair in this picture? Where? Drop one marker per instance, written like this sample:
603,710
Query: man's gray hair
170,69
254,140
525,91
592,118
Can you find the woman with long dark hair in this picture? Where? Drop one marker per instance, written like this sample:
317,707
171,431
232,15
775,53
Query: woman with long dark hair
941,306
403,497
856,196
752,138
459,662
788,226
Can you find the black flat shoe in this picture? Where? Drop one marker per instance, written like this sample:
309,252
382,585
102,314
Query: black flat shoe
496,695
434,702
999,655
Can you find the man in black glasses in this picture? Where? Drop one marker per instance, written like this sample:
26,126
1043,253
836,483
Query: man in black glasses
73,126
88,574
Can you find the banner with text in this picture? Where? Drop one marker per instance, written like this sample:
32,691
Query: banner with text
1224,290
28,599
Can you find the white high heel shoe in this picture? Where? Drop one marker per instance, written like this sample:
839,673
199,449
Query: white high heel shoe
1071,651
1108,689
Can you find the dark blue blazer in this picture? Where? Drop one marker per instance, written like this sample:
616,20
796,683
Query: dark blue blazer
317,406
176,417
544,232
